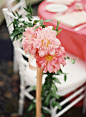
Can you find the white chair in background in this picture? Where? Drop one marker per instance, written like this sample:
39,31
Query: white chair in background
76,78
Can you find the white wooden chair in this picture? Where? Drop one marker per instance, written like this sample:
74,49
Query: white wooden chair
76,78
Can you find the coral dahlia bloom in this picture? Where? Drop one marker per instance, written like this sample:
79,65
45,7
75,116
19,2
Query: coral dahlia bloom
29,36
45,47
51,63
46,42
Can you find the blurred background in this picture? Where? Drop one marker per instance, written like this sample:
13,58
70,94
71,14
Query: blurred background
10,81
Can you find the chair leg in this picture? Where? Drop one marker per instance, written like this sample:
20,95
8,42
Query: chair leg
52,110
15,65
21,101
84,104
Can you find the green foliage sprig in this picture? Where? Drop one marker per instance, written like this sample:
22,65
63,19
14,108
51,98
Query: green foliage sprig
19,24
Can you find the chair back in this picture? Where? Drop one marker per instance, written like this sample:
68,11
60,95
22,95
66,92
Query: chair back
9,17
16,5
28,75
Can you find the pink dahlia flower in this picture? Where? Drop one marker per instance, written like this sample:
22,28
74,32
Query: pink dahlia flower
29,36
45,47
46,42
51,63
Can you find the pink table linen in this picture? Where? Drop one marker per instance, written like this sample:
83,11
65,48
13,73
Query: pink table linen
74,42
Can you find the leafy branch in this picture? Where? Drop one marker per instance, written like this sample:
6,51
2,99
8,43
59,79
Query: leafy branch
19,24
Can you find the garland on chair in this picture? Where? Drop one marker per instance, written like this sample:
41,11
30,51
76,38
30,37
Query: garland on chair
48,52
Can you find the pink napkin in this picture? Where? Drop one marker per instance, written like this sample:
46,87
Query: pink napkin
72,19
66,2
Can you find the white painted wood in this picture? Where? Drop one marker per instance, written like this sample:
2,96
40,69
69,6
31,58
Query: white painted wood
14,5
70,105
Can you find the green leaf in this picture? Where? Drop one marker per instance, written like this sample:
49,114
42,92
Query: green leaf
53,28
20,28
43,115
55,103
47,99
36,28
15,33
68,57
20,40
58,105
36,21
19,36
65,77
43,26
72,61
47,20
55,95
10,24
13,13
41,22
29,25
59,72
30,107
45,111
29,17
33,88
56,80
26,9
59,31
30,9
13,39
57,25
17,14
54,87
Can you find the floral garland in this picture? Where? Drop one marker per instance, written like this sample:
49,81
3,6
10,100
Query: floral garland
41,41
